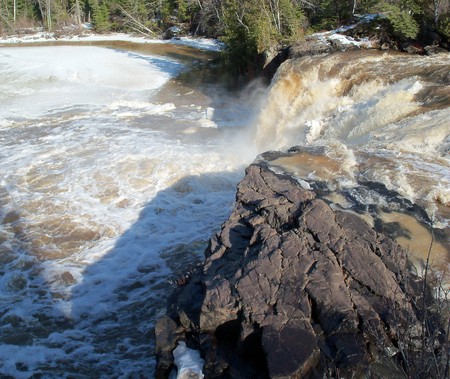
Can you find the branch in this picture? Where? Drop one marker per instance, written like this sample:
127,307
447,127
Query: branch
307,4
7,23
242,23
137,26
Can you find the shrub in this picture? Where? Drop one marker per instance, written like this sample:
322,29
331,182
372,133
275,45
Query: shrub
401,20
444,26
253,27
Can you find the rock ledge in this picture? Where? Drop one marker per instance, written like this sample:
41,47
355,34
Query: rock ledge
291,288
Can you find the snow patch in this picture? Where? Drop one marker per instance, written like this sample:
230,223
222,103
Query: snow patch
337,34
188,362
42,36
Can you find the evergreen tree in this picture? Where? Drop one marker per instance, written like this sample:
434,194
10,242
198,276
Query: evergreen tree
182,9
249,27
443,26
252,27
100,16
400,14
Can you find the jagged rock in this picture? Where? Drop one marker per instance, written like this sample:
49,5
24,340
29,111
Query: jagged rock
272,59
166,341
291,288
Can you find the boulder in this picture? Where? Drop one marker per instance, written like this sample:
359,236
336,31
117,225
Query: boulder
310,46
291,288
434,49
413,48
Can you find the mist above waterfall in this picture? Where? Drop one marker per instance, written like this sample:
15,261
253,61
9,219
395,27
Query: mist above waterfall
119,163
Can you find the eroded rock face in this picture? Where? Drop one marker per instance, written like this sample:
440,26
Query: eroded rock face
290,289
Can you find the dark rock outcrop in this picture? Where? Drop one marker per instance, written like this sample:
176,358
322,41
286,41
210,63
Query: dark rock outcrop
291,288
313,45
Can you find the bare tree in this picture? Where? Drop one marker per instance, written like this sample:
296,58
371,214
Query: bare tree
49,15
76,9
210,17
307,4
440,7
134,24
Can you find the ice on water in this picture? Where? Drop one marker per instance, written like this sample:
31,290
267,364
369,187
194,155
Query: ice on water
188,362
37,80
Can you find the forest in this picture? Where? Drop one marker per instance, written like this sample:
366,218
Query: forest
248,27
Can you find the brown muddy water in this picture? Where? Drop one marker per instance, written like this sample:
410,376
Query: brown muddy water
119,161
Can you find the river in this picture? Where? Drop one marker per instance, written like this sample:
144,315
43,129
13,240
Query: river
119,161
375,128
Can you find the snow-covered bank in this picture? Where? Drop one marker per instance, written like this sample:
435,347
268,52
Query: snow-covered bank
42,37
338,35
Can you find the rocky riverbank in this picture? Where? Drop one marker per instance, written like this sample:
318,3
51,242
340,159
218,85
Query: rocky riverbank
293,288
370,32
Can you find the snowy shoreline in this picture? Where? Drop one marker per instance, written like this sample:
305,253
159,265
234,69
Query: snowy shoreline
86,35
42,37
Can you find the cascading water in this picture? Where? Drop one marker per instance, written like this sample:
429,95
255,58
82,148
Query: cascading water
119,163
362,119
117,166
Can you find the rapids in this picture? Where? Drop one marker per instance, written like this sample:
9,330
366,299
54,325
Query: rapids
375,127
119,161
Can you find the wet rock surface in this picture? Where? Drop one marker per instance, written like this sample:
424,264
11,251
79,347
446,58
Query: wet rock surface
291,288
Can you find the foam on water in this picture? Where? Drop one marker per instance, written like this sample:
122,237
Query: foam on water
105,194
114,176
374,127
389,111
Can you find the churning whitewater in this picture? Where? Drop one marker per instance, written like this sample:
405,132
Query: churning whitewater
365,119
119,163
107,191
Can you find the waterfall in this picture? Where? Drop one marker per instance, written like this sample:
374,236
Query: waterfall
361,119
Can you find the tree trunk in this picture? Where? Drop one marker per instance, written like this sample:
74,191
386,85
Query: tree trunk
77,12
49,16
41,10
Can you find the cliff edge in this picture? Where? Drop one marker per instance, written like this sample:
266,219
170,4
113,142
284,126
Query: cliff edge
291,288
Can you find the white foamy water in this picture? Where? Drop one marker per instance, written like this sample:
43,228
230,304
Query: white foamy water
363,119
393,107
106,192
117,165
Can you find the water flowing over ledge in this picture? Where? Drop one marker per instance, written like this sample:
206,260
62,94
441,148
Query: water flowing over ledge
276,296
110,191
383,117
291,288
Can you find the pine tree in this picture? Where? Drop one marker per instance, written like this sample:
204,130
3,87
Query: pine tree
401,17
253,27
100,16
